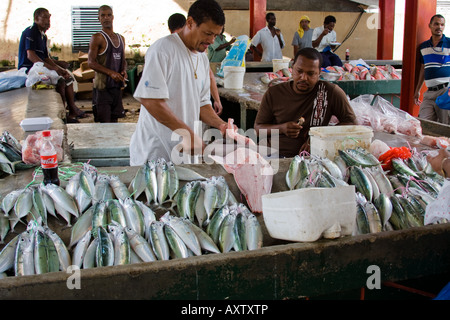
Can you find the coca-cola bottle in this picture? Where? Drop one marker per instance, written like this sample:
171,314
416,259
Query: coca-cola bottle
49,159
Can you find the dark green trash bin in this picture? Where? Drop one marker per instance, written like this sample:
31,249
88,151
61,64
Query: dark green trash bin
131,85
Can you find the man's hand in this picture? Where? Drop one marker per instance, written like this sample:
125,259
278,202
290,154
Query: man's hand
218,107
436,161
417,100
291,129
191,144
117,77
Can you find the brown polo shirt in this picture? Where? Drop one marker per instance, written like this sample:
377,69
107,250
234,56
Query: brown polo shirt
281,104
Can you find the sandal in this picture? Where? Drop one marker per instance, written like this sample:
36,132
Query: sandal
81,115
70,119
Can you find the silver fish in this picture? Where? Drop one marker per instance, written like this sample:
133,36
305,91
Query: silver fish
133,215
226,234
4,226
121,244
115,212
152,183
104,256
119,188
253,231
211,198
206,242
80,249
24,256
162,178
81,226
140,246
102,190
7,255
45,255
139,183
99,217
63,254
9,200
89,256
60,196
176,244
174,182
183,230
158,240
24,203
73,184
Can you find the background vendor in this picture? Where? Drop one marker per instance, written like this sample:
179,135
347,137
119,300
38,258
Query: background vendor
305,96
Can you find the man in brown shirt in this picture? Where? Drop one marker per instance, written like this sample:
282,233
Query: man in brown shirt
306,96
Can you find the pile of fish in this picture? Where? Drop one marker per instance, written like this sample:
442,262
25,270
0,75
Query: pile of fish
36,250
10,155
273,78
360,72
386,200
114,227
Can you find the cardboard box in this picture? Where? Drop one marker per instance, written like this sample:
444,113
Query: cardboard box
85,75
85,86
82,56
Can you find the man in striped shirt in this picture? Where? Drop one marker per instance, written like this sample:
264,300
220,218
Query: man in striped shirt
435,71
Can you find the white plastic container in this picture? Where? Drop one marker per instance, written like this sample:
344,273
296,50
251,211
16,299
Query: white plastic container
326,141
36,124
233,77
279,64
308,214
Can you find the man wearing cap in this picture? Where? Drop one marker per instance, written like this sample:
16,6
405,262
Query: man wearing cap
303,36
435,71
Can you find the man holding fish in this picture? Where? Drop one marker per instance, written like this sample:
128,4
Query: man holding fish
174,90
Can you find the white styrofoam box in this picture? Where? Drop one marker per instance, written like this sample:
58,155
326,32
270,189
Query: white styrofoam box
306,215
36,124
326,141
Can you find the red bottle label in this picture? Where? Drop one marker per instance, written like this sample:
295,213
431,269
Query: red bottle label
49,162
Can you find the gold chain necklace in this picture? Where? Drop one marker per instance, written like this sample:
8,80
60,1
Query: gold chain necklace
192,63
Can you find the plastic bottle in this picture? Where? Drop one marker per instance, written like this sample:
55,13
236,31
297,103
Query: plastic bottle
49,159
347,55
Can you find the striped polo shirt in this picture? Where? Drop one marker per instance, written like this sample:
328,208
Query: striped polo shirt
436,61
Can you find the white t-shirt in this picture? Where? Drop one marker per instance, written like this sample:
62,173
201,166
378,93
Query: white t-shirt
326,40
168,74
270,44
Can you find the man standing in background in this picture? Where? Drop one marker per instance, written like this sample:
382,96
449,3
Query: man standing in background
107,57
303,36
271,40
435,71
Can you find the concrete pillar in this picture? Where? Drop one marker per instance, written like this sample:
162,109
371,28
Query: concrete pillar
385,45
257,19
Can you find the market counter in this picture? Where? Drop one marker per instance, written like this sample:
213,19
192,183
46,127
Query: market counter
279,270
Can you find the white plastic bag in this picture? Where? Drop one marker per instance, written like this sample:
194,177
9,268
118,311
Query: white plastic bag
12,79
440,208
39,73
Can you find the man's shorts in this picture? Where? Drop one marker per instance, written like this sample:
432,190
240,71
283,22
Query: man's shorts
108,105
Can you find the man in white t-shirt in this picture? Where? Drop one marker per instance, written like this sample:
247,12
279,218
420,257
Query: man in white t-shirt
271,40
323,38
174,89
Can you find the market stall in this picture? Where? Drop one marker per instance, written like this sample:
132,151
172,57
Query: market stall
280,269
